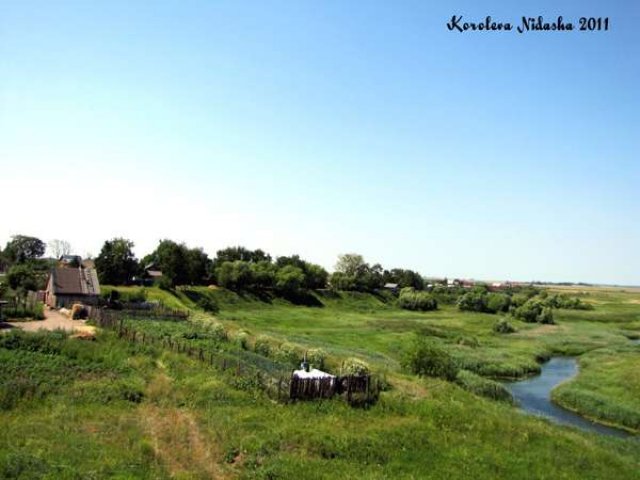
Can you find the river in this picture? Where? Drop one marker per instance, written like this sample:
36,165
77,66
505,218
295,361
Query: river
533,395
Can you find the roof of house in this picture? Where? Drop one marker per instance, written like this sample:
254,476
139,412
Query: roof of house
75,281
390,285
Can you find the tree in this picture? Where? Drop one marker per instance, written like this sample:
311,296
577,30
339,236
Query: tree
473,301
289,279
198,266
353,273
404,278
351,264
58,248
234,275
171,258
22,277
263,274
315,276
116,263
231,254
22,248
497,302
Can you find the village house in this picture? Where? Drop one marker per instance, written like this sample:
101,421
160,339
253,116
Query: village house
69,285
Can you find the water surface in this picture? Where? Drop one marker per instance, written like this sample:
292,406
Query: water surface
534,396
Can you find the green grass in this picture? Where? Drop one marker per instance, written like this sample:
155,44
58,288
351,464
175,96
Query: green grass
190,422
108,409
608,387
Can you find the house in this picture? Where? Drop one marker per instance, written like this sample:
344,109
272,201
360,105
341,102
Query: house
150,275
70,261
72,285
391,286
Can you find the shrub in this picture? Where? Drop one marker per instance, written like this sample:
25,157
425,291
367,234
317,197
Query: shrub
503,326
534,311
316,357
483,386
425,357
497,302
411,300
262,345
288,353
474,301
354,366
38,311
207,304
218,331
241,338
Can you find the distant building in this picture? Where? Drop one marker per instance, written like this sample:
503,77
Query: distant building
391,286
70,261
68,285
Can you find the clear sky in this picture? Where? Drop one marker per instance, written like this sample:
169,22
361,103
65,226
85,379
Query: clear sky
328,126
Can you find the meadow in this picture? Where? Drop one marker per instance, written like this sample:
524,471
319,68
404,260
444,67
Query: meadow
109,408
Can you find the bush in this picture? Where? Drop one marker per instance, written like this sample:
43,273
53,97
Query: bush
354,366
497,302
534,311
425,357
422,301
262,345
241,338
38,311
288,353
473,301
503,326
207,304
218,331
483,386
316,358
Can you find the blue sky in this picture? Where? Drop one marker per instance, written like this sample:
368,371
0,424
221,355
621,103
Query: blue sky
327,127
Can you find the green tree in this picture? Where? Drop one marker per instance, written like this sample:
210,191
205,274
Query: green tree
351,264
116,264
289,279
235,275
22,248
231,254
497,302
198,266
263,274
315,276
23,277
172,259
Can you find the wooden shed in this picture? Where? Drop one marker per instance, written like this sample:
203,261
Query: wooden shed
67,286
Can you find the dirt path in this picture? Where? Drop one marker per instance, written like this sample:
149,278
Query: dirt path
54,320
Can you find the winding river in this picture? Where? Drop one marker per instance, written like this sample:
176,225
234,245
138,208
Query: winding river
533,395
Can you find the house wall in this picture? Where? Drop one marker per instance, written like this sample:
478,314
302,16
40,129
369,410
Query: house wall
67,301
49,297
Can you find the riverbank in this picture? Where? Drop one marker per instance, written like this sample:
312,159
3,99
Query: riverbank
535,396
607,389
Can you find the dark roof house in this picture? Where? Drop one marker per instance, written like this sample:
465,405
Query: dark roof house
72,285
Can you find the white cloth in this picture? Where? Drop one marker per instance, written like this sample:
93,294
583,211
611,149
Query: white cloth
313,373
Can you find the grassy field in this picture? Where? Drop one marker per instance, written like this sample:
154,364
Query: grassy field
110,409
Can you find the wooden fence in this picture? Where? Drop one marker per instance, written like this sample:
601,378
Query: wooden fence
243,374
358,390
